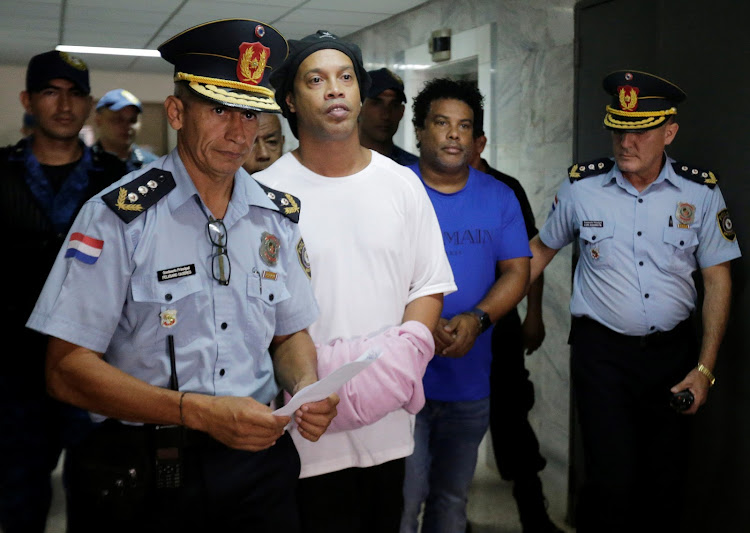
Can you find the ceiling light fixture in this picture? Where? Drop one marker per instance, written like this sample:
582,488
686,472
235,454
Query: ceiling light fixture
138,52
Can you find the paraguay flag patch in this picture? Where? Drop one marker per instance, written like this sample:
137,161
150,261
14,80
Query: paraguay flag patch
84,248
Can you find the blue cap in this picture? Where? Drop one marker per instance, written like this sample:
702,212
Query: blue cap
116,99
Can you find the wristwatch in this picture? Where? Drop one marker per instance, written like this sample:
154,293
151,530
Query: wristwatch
484,319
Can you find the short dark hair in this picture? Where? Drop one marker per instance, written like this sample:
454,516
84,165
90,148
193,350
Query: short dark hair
446,88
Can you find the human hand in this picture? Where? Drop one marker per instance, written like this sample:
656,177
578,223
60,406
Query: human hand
314,418
463,330
442,338
533,332
698,384
241,423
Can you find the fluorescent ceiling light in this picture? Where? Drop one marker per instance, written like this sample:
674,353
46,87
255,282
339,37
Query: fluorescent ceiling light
140,52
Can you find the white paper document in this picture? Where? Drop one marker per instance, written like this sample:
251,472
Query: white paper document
329,384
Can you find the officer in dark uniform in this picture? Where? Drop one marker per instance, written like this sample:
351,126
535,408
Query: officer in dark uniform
46,178
177,309
645,224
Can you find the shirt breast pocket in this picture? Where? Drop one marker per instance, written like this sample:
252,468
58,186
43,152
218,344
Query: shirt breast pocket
680,244
177,307
597,245
263,297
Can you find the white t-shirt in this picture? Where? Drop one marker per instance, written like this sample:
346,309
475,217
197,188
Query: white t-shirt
374,245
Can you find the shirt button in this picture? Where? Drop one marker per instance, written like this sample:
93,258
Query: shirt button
222,372
168,297
646,295
652,328
223,325
640,263
593,237
640,200
639,233
682,243
270,297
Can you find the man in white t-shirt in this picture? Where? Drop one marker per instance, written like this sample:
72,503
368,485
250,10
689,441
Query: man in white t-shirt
377,259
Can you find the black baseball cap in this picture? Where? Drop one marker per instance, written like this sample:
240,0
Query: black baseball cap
640,101
54,64
228,61
282,78
384,79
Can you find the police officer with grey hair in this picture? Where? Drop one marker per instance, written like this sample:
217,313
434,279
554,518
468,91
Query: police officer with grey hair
644,223
177,307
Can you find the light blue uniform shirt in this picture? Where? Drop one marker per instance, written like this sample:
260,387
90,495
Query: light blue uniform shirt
152,278
639,250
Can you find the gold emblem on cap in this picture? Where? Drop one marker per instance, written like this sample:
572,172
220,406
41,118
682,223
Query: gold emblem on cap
628,97
73,61
252,63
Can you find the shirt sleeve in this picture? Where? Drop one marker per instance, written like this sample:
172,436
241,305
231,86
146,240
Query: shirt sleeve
84,294
717,242
432,271
301,309
515,240
561,225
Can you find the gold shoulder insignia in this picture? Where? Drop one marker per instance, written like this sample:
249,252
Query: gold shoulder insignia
704,177
288,205
590,168
132,199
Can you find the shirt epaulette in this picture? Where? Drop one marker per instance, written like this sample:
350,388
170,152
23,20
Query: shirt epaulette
704,177
590,168
130,200
288,205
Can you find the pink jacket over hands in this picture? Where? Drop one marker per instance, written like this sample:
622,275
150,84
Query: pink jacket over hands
392,382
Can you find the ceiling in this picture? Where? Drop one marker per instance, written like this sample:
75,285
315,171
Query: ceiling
28,27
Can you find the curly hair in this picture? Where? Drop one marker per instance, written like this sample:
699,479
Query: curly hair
446,88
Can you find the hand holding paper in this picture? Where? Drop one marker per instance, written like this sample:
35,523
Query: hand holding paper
328,385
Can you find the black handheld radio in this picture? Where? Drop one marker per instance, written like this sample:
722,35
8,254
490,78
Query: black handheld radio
169,439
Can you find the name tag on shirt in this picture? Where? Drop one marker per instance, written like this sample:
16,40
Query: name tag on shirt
176,272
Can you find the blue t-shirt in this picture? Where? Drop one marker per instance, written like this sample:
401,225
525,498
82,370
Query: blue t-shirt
481,225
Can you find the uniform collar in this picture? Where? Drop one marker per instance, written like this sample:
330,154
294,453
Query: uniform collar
245,192
667,174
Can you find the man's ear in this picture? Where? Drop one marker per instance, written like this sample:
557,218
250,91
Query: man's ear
480,143
175,110
670,133
290,102
25,98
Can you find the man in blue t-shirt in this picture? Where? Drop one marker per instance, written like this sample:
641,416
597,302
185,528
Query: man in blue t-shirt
483,230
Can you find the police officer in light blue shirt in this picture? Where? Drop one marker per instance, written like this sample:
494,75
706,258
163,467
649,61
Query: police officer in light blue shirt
178,307
644,224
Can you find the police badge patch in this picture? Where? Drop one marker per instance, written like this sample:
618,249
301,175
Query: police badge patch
303,260
269,248
725,225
